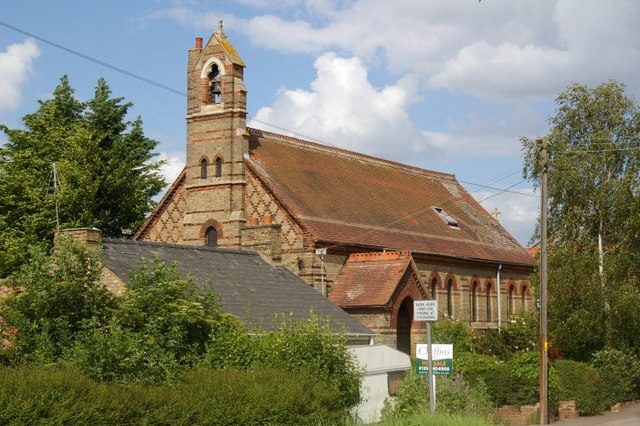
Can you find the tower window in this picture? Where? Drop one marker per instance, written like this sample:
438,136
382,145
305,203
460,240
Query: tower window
211,237
203,168
218,167
215,86
448,219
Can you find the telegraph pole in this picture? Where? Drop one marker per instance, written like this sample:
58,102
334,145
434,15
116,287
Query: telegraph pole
55,194
544,344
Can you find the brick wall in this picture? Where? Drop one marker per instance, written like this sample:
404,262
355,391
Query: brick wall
168,224
265,239
463,278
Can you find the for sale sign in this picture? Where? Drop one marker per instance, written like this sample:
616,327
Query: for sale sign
442,356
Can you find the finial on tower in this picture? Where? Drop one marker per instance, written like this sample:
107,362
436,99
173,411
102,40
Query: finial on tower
220,30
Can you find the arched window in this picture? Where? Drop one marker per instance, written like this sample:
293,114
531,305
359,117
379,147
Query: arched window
211,237
524,297
450,298
218,167
510,300
434,288
489,313
203,168
474,301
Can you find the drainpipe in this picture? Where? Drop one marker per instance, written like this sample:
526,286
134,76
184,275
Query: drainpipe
499,310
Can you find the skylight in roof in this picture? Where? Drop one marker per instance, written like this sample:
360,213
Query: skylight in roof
448,219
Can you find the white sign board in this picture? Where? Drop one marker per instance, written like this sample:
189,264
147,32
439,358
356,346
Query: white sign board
438,351
425,310
442,356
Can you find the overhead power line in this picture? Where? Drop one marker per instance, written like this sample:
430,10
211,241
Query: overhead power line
94,60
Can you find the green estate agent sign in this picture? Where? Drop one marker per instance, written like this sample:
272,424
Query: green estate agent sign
442,356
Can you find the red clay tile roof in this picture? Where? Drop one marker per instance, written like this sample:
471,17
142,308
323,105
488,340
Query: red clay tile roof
369,279
341,197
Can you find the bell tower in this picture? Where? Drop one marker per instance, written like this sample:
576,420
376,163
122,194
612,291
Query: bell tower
217,141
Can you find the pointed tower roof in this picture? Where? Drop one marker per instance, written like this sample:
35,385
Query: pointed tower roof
221,38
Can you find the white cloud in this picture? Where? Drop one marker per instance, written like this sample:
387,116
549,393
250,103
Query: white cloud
517,213
482,134
505,71
15,69
493,50
174,163
343,108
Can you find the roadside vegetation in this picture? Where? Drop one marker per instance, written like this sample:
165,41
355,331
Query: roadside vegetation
494,368
163,353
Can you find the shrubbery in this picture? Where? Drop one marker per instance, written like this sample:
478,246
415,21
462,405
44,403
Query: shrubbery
620,374
258,396
56,296
453,332
310,345
579,381
164,326
519,334
453,396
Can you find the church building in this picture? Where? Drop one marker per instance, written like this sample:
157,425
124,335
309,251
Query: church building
369,234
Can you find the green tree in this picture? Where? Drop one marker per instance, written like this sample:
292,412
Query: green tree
594,183
105,169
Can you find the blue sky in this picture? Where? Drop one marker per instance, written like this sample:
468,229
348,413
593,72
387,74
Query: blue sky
448,85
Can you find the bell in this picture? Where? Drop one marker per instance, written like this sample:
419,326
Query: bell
216,89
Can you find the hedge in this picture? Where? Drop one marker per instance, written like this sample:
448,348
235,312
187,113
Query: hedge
258,396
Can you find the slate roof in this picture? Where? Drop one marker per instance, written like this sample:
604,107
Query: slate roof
342,197
246,283
369,279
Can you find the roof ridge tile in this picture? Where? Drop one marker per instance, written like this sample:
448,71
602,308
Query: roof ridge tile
380,255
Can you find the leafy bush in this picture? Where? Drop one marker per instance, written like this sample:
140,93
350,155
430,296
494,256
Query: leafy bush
579,381
258,396
519,334
54,296
171,312
426,419
455,332
517,381
456,396
230,345
113,353
453,396
475,367
315,345
489,342
311,344
620,374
